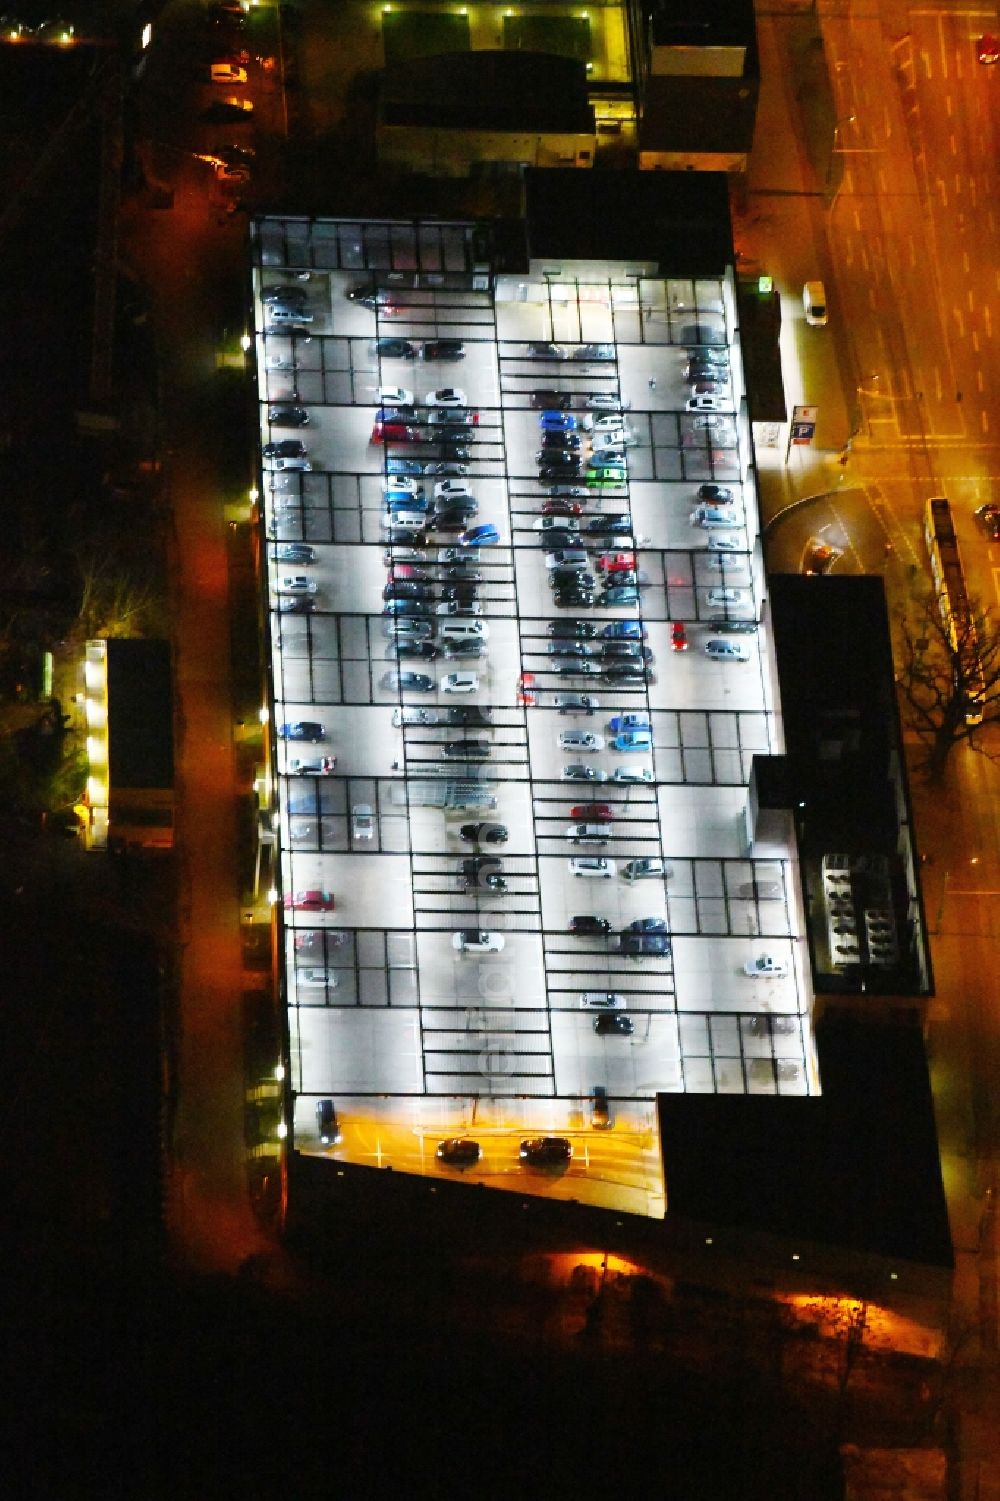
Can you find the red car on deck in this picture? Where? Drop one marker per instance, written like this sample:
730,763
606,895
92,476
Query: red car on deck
678,636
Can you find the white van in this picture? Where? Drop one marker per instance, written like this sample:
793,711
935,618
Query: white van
814,304
463,630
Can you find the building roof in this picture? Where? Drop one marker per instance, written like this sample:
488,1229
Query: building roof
140,714
702,23
856,1167
530,92
677,220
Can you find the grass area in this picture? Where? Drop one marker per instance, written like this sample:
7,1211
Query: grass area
409,33
568,36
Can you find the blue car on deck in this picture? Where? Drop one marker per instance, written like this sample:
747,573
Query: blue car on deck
620,722
479,536
633,740
557,422
624,630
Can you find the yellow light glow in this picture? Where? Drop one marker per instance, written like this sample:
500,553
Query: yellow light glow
282,1130
95,750
264,715
147,35
272,895
253,495
96,714
95,792
246,342
279,1070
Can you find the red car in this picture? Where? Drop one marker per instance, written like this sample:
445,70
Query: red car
678,636
311,900
562,508
988,49
615,562
396,432
526,689
601,812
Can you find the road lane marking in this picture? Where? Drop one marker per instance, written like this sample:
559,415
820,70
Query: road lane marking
925,59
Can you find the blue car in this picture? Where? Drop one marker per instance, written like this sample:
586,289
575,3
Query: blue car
396,500
624,630
403,466
479,536
632,740
620,594
621,722
557,422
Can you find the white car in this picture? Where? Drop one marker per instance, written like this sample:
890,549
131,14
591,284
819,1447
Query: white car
295,583
472,941
584,740
452,489
764,966
227,73
400,482
704,404
726,544
460,682
614,422
555,524
616,437
593,865
448,396
578,772
632,774
602,1000
394,396
362,821
327,978
605,401
725,596
315,766
277,465
727,651
404,716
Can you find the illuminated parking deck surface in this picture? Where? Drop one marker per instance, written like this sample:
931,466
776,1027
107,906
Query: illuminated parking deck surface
414,1038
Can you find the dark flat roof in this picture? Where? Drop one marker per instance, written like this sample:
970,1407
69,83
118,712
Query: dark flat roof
856,1168
679,220
702,23
512,91
140,714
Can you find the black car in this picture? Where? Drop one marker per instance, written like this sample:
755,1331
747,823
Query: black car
576,578
285,448
703,333
743,627
548,351
633,651
472,646
446,467
555,462
395,349
988,516
584,630
613,1025
444,349
716,495
463,594
551,401
469,715
572,597
560,648
406,589
423,651
561,440
295,552
483,871
578,670
464,572
589,925
294,296
452,453
451,519
568,492
612,521
403,537
484,833
645,945
219,112
409,682
289,416
327,1127
546,1151
647,925
458,1151
624,672
468,750
556,537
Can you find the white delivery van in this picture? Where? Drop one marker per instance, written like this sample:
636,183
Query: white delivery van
463,630
814,304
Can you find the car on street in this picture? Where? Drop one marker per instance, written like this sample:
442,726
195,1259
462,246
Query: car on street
596,866
446,396
458,1151
460,682
395,349
614,1025
309,899
576,703
578,771
484,833
443,349
988,49
589,926
407,682
295,552
648,867
546,1151
632,740
988,516
581,740
314,766
302,729
327,1128
727,651
474,941
602,1000
765,967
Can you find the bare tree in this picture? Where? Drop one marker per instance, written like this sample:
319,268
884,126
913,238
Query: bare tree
948,677
114,600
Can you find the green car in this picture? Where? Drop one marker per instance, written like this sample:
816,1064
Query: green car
610,474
